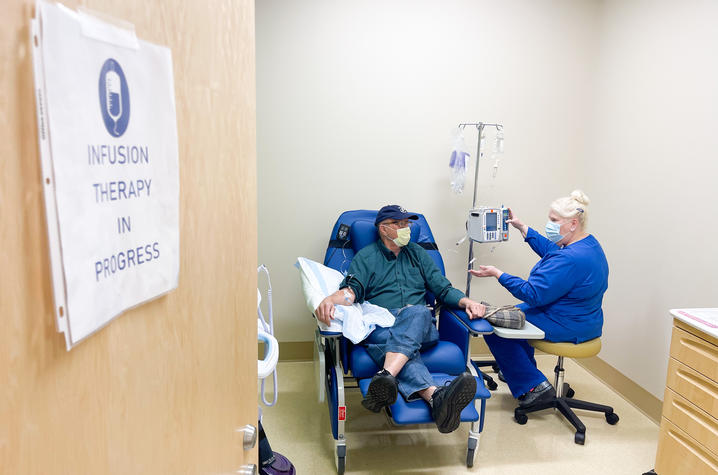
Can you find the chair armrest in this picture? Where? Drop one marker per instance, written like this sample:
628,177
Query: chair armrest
330,334
326,333
476,327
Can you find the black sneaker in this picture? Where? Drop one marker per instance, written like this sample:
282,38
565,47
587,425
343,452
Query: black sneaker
381,392
448,402
540,393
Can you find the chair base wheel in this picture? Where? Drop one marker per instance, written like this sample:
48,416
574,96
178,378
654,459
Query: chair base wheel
570,392
612,418
580,438
520,418
470,457
491,385
341,465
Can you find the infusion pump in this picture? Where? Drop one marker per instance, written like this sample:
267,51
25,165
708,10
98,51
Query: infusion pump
488,224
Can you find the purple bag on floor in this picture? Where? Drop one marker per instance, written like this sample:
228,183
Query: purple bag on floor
280,466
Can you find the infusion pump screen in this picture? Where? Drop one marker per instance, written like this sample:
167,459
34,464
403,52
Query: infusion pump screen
491,219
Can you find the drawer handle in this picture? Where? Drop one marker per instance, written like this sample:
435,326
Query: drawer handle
701,347
697,416
693,448
697,382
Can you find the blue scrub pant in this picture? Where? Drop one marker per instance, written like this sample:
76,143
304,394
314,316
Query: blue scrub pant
413,331
516,357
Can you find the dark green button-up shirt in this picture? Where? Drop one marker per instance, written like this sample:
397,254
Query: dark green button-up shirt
378,276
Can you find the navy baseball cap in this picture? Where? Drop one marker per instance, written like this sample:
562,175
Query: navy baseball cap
393,212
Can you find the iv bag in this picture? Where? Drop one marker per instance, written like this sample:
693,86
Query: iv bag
458,163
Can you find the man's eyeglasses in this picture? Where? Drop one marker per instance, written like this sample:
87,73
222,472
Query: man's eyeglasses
399,224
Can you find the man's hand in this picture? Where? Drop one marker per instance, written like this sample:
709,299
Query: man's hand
325,311
473,309
486,271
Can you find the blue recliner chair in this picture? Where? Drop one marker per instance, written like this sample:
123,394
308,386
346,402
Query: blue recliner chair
337,358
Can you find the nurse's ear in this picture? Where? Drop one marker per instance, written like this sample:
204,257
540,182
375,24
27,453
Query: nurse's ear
574,224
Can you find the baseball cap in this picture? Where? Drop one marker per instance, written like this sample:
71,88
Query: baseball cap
393,212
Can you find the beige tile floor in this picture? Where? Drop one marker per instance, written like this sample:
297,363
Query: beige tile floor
298,426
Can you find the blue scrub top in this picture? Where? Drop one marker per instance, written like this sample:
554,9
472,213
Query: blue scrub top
564,291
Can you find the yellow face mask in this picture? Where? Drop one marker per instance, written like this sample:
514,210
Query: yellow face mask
403,236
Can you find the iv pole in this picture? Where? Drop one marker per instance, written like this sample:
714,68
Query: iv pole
480,127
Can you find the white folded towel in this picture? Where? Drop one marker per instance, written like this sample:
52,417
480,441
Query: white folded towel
355,321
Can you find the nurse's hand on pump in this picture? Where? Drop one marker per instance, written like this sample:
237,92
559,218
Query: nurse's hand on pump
325,311
486,271
516,222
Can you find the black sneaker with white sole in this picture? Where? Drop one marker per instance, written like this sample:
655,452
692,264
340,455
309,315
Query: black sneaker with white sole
448,402
381,392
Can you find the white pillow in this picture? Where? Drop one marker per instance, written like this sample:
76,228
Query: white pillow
355,321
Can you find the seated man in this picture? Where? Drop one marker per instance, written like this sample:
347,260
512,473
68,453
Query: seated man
395,273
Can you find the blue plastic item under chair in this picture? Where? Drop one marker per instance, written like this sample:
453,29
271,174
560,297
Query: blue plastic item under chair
337,358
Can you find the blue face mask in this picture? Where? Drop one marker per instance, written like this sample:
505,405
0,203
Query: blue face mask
553,231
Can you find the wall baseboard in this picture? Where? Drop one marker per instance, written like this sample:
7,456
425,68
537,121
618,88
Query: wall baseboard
291,350
643,400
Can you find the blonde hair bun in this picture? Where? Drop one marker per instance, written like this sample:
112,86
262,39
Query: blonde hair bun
573,206
580,196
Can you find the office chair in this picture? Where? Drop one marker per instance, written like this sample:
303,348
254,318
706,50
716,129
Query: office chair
563,401
337,359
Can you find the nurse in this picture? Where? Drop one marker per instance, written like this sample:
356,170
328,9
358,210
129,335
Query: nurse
562,295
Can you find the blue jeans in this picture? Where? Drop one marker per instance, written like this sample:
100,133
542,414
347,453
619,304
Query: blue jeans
413,331
516,357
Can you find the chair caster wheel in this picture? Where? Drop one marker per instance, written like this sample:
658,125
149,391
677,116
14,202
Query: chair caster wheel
470,457
341,461
612,418
570,392
580,438
520,418
491,385
495,367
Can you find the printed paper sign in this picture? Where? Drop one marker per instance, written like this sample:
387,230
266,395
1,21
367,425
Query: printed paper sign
108,143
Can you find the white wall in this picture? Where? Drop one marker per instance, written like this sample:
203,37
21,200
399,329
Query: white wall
651,163
356,102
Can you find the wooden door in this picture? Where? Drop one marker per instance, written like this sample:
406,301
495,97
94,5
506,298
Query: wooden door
161,389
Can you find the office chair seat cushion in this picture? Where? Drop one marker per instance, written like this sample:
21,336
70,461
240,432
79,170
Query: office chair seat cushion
419,412
444,357
571,350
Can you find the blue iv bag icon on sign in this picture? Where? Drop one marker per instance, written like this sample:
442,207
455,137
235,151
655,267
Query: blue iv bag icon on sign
114,98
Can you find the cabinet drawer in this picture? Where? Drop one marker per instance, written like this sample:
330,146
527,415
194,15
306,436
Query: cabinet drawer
693,386
696,423
695,352
679,453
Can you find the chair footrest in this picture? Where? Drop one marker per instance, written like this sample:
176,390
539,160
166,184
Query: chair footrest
419,412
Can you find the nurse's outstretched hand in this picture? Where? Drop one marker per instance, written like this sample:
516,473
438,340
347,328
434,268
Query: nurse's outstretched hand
486,271
325,311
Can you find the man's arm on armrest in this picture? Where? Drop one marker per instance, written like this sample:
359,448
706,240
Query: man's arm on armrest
325,311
